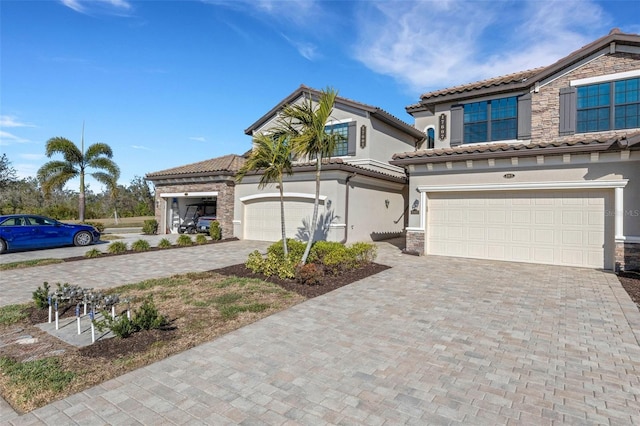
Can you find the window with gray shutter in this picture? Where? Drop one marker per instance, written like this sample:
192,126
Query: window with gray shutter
457,125
524,116
567,111
351,141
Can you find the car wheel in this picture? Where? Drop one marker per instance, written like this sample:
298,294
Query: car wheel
82,238
3,246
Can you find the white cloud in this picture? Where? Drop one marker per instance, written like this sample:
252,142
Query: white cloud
117,7
12,121
306,50
144,148
7,138
430,45
198,138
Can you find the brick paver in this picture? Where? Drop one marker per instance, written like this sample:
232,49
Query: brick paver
434,340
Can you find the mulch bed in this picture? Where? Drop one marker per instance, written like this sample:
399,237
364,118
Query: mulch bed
631,283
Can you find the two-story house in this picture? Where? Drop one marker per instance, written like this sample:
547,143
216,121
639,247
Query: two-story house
362,196
538,166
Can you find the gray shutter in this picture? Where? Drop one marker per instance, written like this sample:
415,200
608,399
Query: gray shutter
524,116
568,111
457,125
351,140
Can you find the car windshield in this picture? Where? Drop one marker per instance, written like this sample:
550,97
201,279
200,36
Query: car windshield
42,221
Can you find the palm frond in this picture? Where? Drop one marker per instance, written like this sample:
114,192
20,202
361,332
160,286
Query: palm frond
98,149
60,145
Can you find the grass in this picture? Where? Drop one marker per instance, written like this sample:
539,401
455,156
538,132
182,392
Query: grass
200,307
28,263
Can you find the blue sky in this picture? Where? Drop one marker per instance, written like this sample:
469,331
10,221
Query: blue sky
167,83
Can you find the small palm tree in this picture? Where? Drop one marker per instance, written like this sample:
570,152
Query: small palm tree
271,153
55,174
305,125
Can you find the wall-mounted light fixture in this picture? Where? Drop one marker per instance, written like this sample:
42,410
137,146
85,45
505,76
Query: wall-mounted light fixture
509,176
386,203
414,207
363,136
328,204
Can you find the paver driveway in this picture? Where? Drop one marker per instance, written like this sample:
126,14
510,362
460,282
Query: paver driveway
431,341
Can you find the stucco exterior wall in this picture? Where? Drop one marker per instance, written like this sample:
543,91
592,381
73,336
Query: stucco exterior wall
545,104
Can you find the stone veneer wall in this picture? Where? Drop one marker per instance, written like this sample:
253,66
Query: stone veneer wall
545,105
226,193
414,242
627,257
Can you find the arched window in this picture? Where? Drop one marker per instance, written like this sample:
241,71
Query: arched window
431,137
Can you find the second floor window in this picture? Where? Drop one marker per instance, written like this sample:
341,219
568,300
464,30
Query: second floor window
493,120
608,106
342,146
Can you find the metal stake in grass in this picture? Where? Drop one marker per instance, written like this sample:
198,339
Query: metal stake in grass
93,328
78,318
49,299
57,315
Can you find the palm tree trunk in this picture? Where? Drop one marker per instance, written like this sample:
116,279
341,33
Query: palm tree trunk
282,222
81,198
314,220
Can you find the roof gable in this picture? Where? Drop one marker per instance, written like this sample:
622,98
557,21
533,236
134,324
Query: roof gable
304,91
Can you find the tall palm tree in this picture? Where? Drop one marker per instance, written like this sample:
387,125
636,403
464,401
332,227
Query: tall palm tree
306,126
56,173
271,153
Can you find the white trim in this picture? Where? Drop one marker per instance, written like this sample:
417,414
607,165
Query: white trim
337,225
619,211
277,195
236,222
414,229
344,120
605,78
189,194
592,184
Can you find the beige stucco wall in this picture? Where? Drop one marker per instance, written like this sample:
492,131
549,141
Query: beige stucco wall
367,218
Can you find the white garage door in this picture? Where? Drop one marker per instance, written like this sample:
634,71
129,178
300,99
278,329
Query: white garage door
262,218
558,227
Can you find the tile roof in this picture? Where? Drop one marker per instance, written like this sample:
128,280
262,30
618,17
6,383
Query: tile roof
223,165
375,111
488,150
523,79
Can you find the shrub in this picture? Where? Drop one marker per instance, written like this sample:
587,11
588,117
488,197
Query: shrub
338,260
98,225
320,249
94,252
41,296
295,247
148,317
272,264
363,253
184,240
201,239
117,247
122,326
164,243
214,230
140,245
150,227
254,262
309,274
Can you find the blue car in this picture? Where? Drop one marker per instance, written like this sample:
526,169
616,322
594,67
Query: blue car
26,232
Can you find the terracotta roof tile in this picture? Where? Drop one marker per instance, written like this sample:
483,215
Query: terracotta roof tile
483,150
227,163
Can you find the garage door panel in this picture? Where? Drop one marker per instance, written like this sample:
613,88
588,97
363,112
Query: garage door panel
564,227
263,223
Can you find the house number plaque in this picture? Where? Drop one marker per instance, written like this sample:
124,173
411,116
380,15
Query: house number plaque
442,127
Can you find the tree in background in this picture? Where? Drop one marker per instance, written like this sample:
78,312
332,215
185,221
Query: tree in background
7,172
271,153
306,127
56,173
